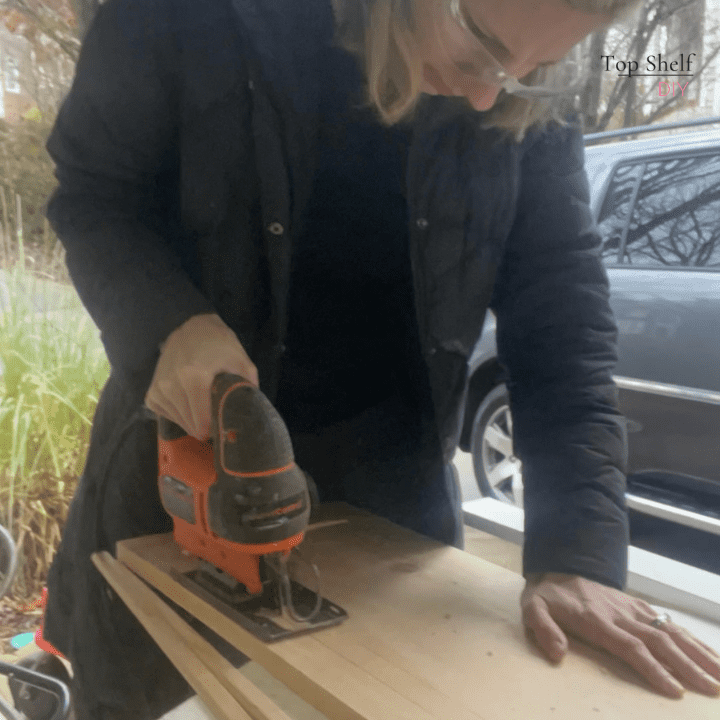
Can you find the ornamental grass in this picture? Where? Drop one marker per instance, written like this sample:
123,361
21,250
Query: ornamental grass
52,368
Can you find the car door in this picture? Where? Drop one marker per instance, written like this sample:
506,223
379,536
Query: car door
660,221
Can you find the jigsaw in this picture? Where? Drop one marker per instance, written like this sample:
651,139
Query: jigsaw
241,505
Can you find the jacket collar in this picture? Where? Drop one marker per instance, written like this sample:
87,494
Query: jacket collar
286,37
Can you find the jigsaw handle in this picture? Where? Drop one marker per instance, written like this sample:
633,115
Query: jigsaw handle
253,493
168,430
260,494
249,436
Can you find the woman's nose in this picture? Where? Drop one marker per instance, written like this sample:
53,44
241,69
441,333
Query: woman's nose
482,98
480,95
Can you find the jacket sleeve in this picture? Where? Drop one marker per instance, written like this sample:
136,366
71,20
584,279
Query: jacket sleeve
556,339
115,146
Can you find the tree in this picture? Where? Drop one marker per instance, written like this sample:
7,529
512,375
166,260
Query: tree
27,170
42,20
669,27
49,33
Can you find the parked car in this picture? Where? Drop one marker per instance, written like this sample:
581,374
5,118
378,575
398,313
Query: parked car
657,205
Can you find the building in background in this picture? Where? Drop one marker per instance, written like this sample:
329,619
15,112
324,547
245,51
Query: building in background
15,64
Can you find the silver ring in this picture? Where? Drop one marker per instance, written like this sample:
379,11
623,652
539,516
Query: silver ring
660,620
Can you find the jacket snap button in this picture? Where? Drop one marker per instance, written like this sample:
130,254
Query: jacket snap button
251,85
431,351
276,228
422,223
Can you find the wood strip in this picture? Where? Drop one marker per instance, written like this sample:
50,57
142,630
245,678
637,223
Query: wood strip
255,702
223,688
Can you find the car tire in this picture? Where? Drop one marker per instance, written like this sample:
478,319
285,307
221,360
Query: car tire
497,471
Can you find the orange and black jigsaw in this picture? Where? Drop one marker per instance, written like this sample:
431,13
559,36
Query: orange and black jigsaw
241,504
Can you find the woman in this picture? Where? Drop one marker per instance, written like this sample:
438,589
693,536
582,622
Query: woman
326,198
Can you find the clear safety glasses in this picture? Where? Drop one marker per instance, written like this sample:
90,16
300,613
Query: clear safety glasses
472,57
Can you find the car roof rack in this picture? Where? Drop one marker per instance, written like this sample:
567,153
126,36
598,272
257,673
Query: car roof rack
624,132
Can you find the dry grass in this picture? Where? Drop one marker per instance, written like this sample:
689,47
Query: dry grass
53,367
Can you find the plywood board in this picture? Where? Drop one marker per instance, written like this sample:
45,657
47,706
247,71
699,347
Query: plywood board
433,634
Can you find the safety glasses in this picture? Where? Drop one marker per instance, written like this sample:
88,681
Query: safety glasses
482,65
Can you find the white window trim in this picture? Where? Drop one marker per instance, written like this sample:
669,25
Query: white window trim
12,75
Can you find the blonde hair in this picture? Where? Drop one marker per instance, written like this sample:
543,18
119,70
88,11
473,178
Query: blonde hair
380,33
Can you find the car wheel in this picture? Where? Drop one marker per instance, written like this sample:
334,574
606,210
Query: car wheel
497,471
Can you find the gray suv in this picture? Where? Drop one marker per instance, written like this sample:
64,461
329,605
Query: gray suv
657,205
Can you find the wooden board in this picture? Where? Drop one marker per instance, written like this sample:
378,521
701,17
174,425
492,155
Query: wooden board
223,688
433,634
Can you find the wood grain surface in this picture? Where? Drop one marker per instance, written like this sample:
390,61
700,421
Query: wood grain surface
433,634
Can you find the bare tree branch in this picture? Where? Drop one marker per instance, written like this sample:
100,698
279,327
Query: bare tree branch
634,44
662,108
49,23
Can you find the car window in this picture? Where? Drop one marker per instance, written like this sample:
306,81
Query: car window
674,218
615,212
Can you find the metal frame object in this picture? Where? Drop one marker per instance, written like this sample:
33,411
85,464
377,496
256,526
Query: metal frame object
38,680
43,682
7,544
640,129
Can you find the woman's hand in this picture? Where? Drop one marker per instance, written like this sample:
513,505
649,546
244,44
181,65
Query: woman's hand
190,358
610,619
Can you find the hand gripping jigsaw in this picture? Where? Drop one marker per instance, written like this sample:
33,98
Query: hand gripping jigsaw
241,505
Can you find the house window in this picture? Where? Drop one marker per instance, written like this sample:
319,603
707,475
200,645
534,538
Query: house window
12,75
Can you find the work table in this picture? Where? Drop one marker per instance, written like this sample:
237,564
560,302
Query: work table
433,633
